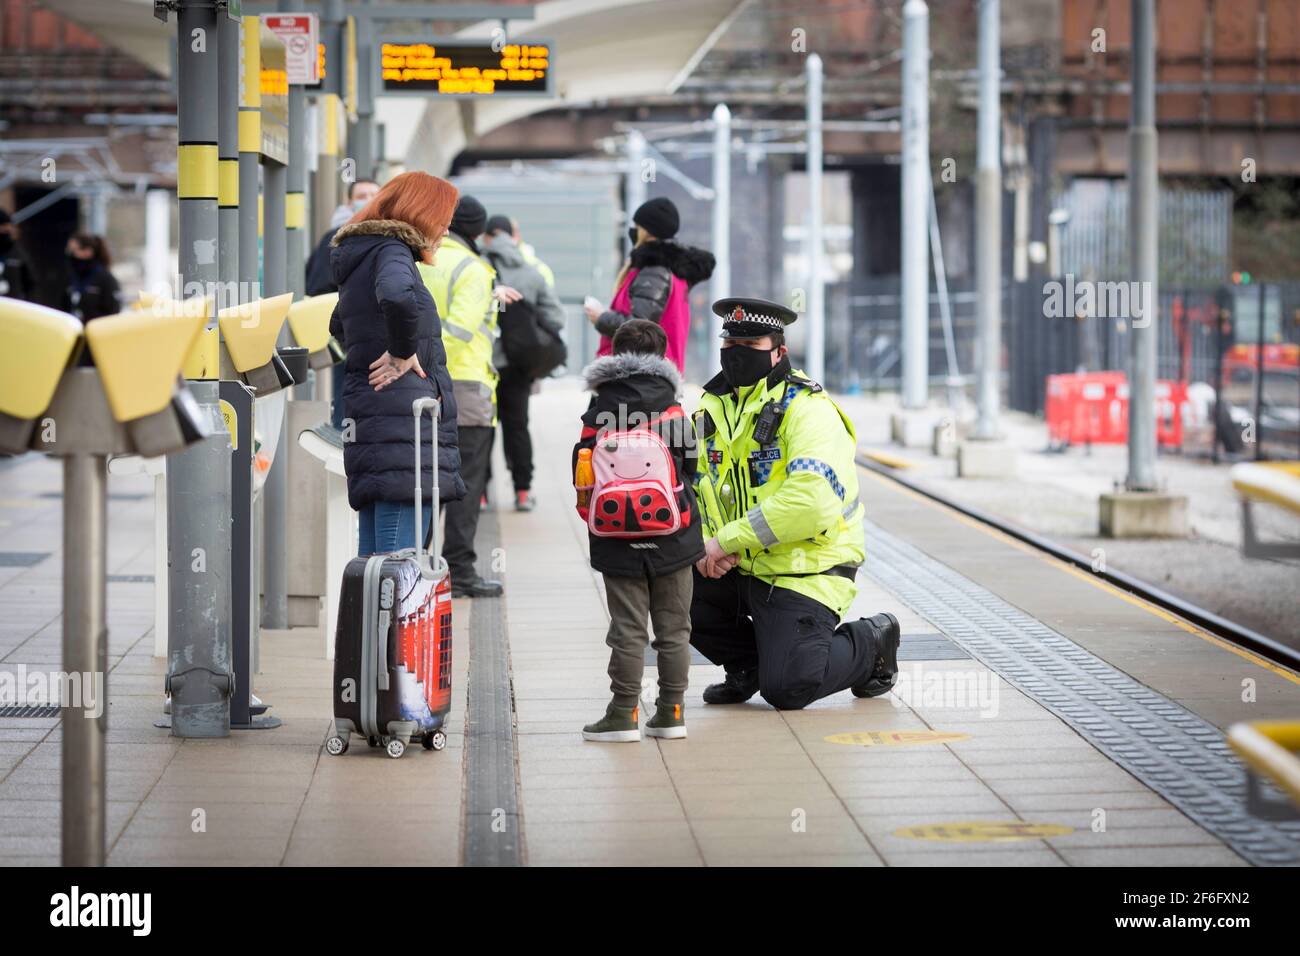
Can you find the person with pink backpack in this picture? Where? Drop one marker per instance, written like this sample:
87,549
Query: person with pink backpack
634,468
655,282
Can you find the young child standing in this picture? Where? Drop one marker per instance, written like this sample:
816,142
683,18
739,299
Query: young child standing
634,467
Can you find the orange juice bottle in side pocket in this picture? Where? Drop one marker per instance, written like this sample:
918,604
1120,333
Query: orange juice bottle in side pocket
584,477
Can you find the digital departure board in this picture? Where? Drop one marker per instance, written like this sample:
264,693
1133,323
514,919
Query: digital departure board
465,68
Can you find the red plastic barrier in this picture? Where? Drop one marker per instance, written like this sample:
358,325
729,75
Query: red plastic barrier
1091,408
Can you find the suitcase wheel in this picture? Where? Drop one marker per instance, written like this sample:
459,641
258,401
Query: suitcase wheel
373,741
336,745
434,741
396,748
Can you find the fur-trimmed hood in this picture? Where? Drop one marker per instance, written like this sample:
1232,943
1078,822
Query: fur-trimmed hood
688,263
611,368
355,241
391,228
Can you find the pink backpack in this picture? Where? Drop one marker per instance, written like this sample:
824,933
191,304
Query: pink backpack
636,487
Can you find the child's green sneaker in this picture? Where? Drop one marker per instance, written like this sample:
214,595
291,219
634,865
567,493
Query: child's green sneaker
619,725
669,721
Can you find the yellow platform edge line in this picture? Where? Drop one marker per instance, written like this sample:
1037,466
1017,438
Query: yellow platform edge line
885,458
1096,582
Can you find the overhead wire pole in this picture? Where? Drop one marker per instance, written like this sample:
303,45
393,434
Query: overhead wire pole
721,282
1143,233
915,204
988,226
198,479
816,298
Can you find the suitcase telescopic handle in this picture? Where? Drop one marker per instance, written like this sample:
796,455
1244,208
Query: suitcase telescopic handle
435,564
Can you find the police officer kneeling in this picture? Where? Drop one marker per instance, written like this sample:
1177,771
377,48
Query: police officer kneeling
778,492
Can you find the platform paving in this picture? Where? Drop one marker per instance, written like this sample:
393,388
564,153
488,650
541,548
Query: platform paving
751,785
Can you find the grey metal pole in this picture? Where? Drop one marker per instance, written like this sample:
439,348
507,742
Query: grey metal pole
229,38
988,226
85,658
1143,231
915,203
198,479
721,287
635,178
816,306
275,570
361,137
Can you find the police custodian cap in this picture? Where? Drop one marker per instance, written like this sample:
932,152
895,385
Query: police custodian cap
752,318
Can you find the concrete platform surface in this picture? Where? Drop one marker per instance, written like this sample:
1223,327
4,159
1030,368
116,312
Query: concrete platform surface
977,773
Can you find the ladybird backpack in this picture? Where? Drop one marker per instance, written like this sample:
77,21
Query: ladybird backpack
635,488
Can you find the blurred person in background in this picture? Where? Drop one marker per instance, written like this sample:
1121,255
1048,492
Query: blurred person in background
92,291
655,282
15,274
319,279
530,254
538,306
461,282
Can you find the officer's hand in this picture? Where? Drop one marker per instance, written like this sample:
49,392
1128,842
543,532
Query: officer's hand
717,561
506,295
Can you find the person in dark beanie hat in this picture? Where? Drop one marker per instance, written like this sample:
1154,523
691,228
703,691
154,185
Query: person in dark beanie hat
659,217
469,220
655,282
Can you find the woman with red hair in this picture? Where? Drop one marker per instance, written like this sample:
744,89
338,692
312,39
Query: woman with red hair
387,322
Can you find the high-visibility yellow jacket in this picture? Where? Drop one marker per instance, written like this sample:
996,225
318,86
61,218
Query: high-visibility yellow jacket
789,508
530,257
461,284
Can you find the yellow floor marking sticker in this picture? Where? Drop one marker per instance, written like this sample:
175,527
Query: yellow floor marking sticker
983,831
895,738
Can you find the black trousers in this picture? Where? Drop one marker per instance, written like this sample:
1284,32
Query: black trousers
802,652
513,391
462,516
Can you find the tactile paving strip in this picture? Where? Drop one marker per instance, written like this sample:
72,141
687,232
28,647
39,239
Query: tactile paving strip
1173,751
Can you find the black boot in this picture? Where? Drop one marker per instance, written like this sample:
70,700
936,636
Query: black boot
885,672
475,586
736,689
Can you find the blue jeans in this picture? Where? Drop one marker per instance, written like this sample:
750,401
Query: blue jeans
385,526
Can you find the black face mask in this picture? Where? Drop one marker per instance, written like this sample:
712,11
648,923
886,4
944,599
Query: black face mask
743,365
80,266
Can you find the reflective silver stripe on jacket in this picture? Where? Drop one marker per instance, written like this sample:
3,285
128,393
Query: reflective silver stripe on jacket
761,528
460,332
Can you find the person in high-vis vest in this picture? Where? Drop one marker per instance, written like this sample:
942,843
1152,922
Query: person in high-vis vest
461,283
777,489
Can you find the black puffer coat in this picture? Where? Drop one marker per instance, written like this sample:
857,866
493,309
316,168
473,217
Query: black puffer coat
626,386
385,307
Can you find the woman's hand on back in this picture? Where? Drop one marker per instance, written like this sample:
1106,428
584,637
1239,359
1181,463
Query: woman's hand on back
386,370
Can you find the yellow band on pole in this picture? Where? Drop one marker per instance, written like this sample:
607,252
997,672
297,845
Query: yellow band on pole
329,105
250,131
251,89
196,171
295,211
228,184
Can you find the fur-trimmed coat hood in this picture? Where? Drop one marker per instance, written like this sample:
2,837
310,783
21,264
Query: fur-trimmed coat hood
393,228
610,368
688,263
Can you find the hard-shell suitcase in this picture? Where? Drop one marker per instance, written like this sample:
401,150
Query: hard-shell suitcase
392,646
